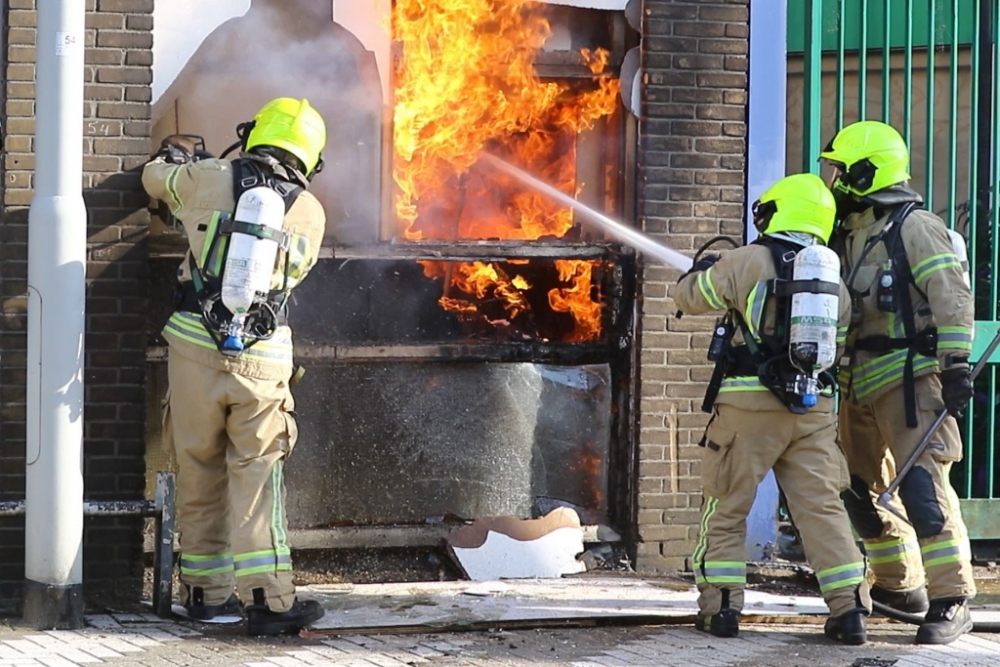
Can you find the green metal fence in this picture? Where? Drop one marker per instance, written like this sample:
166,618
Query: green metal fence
929,68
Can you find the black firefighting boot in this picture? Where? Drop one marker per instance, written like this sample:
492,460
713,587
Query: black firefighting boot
946,620
850,628
725,623
197,610
262,621
911,602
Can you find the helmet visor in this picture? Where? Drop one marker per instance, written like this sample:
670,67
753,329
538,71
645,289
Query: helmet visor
836,170
762,213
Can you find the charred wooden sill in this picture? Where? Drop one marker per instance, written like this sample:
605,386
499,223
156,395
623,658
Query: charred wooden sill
564,354
168,246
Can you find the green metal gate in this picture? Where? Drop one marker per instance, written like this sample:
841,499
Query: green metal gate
929,68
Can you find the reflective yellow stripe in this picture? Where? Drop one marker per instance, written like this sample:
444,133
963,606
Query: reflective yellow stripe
955,338
172,188
708,292
889,551
755,307
841,335
725,572
841,576
213,226
278,510
702,546
747,383
884,370
941,553
262,562
188,327
298,261
925,268
206,565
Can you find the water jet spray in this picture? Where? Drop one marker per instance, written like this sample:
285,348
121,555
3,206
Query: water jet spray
621,232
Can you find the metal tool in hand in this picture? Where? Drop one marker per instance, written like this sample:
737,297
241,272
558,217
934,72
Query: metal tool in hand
925,442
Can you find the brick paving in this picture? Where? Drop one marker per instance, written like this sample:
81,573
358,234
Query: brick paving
139,640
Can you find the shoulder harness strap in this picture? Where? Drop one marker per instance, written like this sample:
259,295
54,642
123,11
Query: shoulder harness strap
768,357
247,174
927,340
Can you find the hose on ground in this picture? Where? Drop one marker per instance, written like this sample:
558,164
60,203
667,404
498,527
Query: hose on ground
916,619
895,614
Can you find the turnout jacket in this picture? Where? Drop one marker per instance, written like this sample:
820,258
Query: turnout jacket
938,293
198,193
738,281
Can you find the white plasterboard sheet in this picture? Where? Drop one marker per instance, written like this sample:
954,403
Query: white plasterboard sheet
438,604
502,557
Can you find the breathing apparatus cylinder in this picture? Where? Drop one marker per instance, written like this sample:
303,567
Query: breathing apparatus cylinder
812,339
958,244
246,277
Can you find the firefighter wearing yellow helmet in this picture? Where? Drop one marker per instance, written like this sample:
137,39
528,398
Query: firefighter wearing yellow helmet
906,360
772,406
254,233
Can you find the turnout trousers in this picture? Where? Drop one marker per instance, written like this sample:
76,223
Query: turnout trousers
935,549
741,446
230,435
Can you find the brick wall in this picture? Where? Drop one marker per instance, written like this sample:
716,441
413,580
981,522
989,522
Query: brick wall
116,127
692,179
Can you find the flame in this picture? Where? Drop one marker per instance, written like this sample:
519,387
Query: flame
466,84
577,299
589,466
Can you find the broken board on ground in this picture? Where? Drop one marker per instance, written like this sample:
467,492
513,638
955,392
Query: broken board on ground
440,605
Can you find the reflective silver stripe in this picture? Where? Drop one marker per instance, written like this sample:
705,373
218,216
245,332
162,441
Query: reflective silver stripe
885,368
188,327
963,338
759,297
947,554
222,561
725,572
263,561
928,267
873,551
853,573
872,368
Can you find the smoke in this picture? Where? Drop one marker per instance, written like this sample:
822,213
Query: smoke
291,48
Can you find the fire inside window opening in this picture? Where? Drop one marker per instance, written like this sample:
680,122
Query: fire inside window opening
470,78
411,415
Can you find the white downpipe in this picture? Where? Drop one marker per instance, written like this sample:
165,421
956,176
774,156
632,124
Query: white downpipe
765,165
57,259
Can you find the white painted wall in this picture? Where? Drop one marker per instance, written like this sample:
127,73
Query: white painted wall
180,26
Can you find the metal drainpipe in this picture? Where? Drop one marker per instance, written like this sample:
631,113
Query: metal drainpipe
57,258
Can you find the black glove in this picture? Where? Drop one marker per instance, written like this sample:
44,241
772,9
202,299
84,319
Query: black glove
706,262
177,149
956,389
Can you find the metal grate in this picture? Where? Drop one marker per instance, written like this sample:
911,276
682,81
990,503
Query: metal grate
927,67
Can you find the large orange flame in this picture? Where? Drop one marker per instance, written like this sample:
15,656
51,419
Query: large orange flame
465,84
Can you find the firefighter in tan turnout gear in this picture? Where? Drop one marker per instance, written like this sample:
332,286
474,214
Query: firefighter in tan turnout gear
254,234
772,404
906,360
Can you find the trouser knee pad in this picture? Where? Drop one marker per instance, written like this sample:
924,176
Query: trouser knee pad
861,509
921,502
